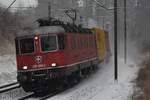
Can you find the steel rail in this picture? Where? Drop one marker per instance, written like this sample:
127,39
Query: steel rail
49,95
27,96
7,85
8,89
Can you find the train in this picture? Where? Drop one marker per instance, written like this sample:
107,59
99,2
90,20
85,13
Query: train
57,51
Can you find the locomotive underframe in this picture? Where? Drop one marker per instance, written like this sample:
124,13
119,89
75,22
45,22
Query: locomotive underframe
46,77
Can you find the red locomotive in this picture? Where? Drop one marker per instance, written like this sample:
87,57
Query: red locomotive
54,51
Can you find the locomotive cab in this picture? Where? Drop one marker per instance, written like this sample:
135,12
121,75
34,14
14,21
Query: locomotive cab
38,55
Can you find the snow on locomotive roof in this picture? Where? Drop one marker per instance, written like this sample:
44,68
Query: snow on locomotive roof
49,29
42,30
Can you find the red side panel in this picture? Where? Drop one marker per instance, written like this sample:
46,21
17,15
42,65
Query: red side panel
79,53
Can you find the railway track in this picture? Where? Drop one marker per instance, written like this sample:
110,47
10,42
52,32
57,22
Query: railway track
43,96
34,96
9,87
49,95
27,96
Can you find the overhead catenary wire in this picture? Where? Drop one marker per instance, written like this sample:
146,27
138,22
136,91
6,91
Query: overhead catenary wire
9,7
101,5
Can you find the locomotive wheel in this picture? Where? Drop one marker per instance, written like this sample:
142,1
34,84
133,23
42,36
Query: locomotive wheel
94,67
25,87
73,79
87,71
79,75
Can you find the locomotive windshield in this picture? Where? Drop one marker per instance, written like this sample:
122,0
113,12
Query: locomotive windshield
48,43
26,45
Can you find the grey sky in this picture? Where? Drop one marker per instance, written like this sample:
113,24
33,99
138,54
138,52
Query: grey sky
19,2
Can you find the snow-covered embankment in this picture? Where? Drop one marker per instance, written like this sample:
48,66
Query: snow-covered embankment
101,85
7,69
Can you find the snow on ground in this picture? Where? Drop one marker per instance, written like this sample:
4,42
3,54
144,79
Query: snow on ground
98,86
7,69
8,75
101,85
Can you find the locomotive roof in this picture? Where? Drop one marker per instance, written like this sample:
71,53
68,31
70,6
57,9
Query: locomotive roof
42,30
49,29
52,25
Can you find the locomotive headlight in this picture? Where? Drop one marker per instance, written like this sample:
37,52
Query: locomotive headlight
25,67
53,64
36,38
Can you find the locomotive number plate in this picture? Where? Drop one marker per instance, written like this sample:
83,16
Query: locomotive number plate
39,66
